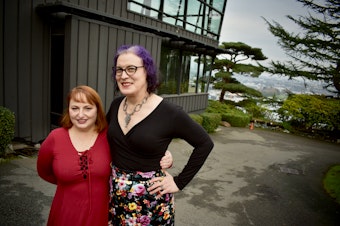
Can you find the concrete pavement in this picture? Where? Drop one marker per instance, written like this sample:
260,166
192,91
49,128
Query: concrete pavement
252,177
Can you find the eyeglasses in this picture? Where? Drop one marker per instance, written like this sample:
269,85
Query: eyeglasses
130,70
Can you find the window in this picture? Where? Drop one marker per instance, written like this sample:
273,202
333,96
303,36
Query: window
183,72
197,16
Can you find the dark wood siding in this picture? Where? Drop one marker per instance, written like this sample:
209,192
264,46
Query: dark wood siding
90,48
24,71
191,103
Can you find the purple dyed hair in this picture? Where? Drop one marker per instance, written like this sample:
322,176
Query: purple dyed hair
148,63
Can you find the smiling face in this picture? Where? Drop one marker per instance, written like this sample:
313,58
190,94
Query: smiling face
83,115
134,83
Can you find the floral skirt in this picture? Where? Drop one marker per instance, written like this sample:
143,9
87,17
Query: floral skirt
131,203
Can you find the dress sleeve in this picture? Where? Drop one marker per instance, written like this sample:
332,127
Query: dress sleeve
45,160
199,139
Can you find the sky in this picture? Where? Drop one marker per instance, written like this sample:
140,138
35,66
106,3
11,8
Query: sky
243,22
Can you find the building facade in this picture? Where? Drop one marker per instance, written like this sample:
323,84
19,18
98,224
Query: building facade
48,47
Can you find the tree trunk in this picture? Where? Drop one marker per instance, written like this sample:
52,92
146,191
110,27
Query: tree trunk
336,78
222,95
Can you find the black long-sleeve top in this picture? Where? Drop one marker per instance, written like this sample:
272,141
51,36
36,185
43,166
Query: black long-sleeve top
142,148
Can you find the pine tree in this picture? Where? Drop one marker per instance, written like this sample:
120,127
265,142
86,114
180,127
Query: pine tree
230,63
314,53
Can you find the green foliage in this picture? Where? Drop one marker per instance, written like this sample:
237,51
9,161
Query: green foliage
237,52
197,118
237,49
248,69
331,182
255,110
229,113
236,118
314,52
211,121
7,123
311,111
217,107
288,126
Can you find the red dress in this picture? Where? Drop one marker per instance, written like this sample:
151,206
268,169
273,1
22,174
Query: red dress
82,193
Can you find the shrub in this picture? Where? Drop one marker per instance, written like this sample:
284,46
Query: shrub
7,123
197,118
217,107
331,182
256,111
237,119
308,111
229,113
211,121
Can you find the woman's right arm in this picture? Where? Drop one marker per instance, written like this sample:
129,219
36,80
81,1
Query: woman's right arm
45,160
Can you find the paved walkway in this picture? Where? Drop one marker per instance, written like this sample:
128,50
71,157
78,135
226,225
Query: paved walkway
252,177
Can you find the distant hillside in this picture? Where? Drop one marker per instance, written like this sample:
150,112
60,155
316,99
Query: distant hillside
269,85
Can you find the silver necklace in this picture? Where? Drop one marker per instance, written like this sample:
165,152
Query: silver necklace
136,109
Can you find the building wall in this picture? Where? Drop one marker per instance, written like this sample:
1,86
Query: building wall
90,48
117,9
25,66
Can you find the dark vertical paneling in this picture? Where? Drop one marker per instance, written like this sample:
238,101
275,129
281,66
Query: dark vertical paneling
92,4
109,6
135,38
11,58
112,48
159,51
120,38
142,39
40,79
24,69
120,8
102,5
71,50
76,2
93,55
83,52
128,37
149,45
103,68
2,91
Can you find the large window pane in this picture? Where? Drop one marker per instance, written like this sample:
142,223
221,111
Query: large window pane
204,74
169,71
145,7
194,67
174,12
218,5
195,16
213,22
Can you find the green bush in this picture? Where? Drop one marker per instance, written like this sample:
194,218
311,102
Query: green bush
331,182
211,121
7,123
237,119
310,111
229,113
256,111
217,107
197,118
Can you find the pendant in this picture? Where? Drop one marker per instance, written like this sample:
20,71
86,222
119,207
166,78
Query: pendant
127,119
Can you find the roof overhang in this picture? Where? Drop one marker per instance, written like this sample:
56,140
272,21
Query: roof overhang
50,9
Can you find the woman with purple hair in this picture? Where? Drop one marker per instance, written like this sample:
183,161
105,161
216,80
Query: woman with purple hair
141,126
